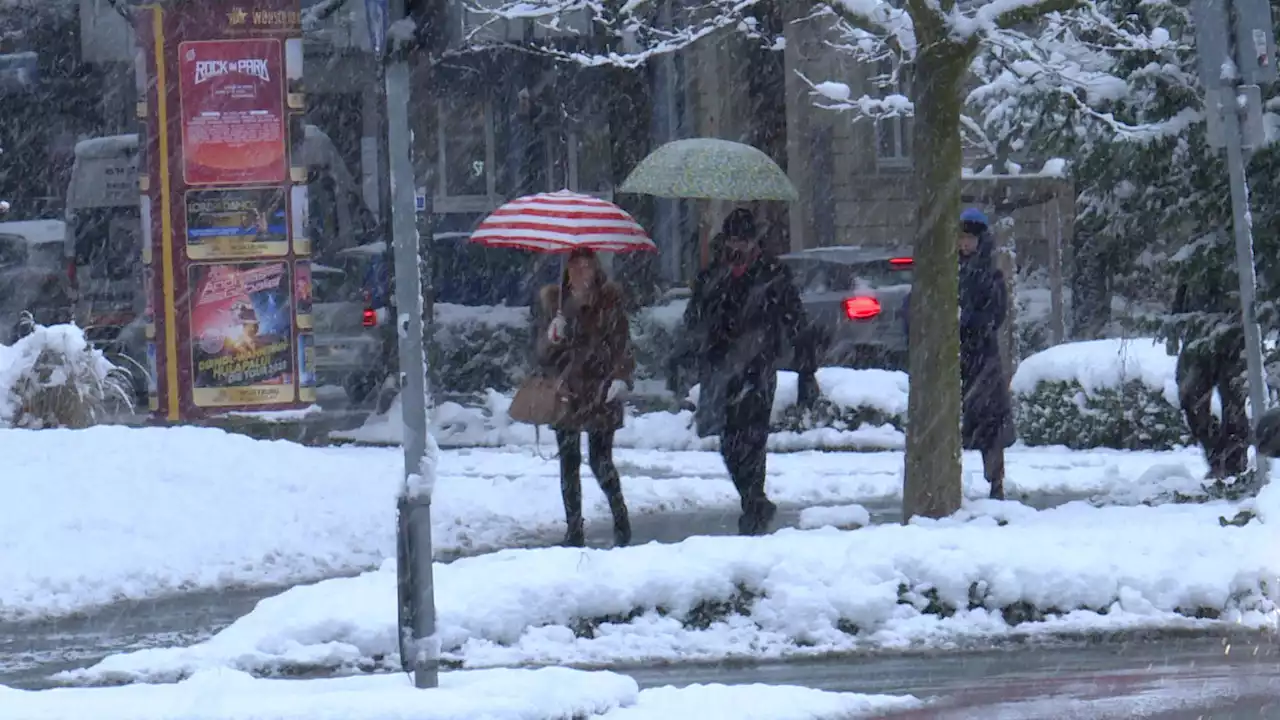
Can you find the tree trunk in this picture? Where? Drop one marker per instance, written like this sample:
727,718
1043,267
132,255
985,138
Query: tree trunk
931,483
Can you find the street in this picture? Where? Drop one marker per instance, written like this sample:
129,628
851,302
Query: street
1169,677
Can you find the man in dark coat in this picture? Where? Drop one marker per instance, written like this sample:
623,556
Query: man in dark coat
1208,361
744,311
987,417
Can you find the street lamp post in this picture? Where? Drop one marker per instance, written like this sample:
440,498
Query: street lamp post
1236,50
419,644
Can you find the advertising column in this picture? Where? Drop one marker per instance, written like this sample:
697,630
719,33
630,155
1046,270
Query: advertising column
226,261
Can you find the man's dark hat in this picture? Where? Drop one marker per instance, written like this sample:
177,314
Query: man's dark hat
740,224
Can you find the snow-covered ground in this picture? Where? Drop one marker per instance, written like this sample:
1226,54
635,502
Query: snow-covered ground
998,569
110,513
882,391
499,694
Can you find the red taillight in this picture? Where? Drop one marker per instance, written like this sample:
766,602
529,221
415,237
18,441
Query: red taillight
861,308
900,262
370,317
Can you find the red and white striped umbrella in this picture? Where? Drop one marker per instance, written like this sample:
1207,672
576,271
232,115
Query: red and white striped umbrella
562,222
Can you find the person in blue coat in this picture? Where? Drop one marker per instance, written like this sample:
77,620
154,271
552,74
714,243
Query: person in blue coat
987,409
986,405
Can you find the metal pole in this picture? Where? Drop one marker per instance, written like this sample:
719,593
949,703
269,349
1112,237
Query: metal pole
1228,106
414,556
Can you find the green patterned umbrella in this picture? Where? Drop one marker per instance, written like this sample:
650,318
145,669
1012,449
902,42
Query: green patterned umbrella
710,169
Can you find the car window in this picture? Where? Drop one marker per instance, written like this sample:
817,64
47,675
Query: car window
817,277
13,251
342,282
109,242
47,255
329,285
825,277
882,275
323,220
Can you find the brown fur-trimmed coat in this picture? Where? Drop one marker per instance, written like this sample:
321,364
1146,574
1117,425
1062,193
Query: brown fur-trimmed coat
596,351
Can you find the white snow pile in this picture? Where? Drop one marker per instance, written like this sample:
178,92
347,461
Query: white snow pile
841,517
757,702
881,392
1003,570
1101,365
113,513
498,694
54,378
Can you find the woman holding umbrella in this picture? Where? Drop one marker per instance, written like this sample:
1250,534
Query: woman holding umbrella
582,339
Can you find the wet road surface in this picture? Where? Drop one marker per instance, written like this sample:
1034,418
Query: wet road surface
1171,678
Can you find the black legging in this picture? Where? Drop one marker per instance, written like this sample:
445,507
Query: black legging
600,458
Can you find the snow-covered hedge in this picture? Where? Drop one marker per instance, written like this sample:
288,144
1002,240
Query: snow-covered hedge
54,378
996,571
859,410
478,348
475,349
1102,393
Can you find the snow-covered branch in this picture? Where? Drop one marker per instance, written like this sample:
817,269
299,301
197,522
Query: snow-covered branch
871,22
1072,76
632,32
838,96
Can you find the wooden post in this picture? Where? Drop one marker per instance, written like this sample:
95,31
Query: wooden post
1065,202
1006,261
1053,235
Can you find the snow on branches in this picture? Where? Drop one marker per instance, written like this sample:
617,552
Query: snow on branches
633,32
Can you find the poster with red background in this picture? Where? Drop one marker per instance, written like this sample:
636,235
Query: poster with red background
233,114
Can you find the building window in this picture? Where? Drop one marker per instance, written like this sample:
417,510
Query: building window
465,177
893,134
893,142
493,149
590,149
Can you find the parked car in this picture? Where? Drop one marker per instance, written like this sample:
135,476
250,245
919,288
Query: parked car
855,300
355,338
31,274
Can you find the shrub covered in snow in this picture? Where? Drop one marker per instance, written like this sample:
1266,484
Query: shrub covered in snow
995,571
850,399
476,348
1101,393
481,348
54,378
859,409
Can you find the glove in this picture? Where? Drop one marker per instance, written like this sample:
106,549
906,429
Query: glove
617,390
556,329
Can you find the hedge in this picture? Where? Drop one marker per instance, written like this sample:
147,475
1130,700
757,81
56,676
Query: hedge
1130,417
475,351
